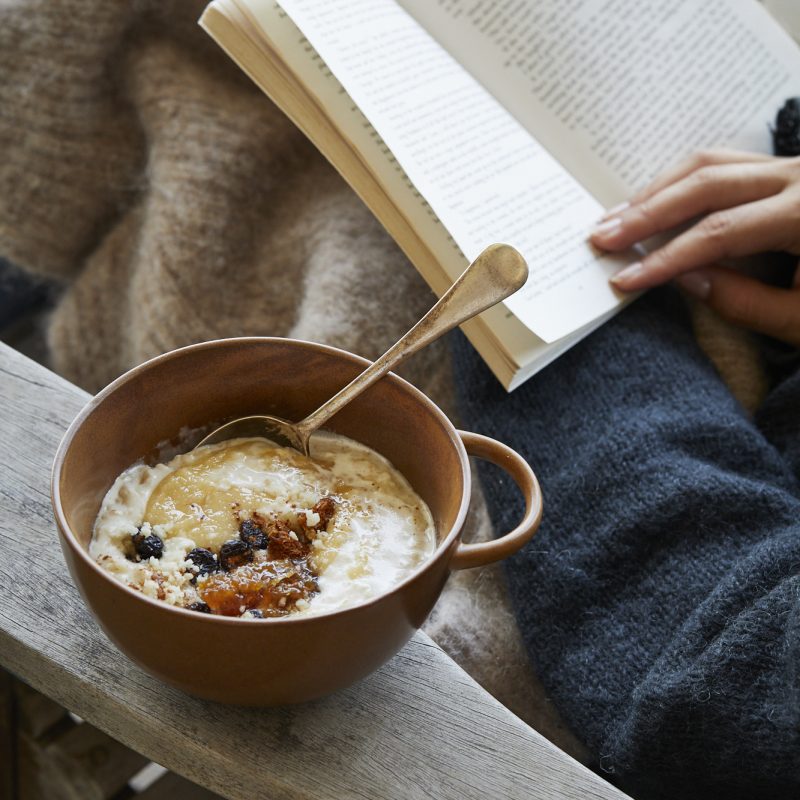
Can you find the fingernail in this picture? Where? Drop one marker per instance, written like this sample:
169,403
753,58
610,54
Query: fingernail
625,276
607,227
696,284
614,210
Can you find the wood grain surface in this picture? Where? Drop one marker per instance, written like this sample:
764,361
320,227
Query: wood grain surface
419,727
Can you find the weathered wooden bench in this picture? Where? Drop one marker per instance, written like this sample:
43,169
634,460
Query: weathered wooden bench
419,727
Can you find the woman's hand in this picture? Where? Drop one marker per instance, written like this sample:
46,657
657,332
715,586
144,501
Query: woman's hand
747,203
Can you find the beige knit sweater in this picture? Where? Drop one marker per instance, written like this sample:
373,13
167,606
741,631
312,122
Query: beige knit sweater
176,204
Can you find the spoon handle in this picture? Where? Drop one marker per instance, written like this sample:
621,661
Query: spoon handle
494,275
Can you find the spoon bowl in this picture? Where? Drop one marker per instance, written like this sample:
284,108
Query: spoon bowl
279,430
496,273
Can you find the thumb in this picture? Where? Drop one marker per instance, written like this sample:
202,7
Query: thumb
748,302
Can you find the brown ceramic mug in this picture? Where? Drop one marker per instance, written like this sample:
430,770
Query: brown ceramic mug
286,660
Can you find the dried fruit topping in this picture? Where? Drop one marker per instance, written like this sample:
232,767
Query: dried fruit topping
253,534
147,546
325,508
235,553
200,606
203,559
298,523
271,587
284,542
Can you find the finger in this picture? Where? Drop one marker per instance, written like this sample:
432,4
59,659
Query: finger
747,302
704,190
732,233
703,158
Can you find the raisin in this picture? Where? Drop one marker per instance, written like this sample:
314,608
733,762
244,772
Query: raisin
147,546
235,553
204,560
199,606
326,508
253,534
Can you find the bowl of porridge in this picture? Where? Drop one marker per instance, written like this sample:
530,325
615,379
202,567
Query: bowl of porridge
244,558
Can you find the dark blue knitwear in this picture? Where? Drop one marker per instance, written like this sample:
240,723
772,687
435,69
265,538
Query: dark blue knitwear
660,601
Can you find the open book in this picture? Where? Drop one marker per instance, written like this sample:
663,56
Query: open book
466,122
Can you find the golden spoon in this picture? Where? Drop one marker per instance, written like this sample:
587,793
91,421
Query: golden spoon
494,275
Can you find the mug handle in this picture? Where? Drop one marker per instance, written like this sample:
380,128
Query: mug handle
479,554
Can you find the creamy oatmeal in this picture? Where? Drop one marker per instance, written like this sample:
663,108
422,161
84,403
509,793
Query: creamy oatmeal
247,528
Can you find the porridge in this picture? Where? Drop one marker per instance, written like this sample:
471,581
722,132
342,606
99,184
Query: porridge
247,528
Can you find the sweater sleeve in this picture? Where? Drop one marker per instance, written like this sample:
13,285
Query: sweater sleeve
660,601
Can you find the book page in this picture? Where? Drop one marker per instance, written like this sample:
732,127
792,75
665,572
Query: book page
269,47
617,90
485,176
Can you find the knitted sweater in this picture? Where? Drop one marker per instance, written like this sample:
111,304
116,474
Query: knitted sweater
174,203
660,600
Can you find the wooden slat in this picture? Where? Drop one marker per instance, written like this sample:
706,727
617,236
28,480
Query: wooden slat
58,759
36,713
172,787
92,760
420,727
8,727
40,777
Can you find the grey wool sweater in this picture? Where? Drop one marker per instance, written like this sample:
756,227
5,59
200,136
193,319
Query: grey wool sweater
660,601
